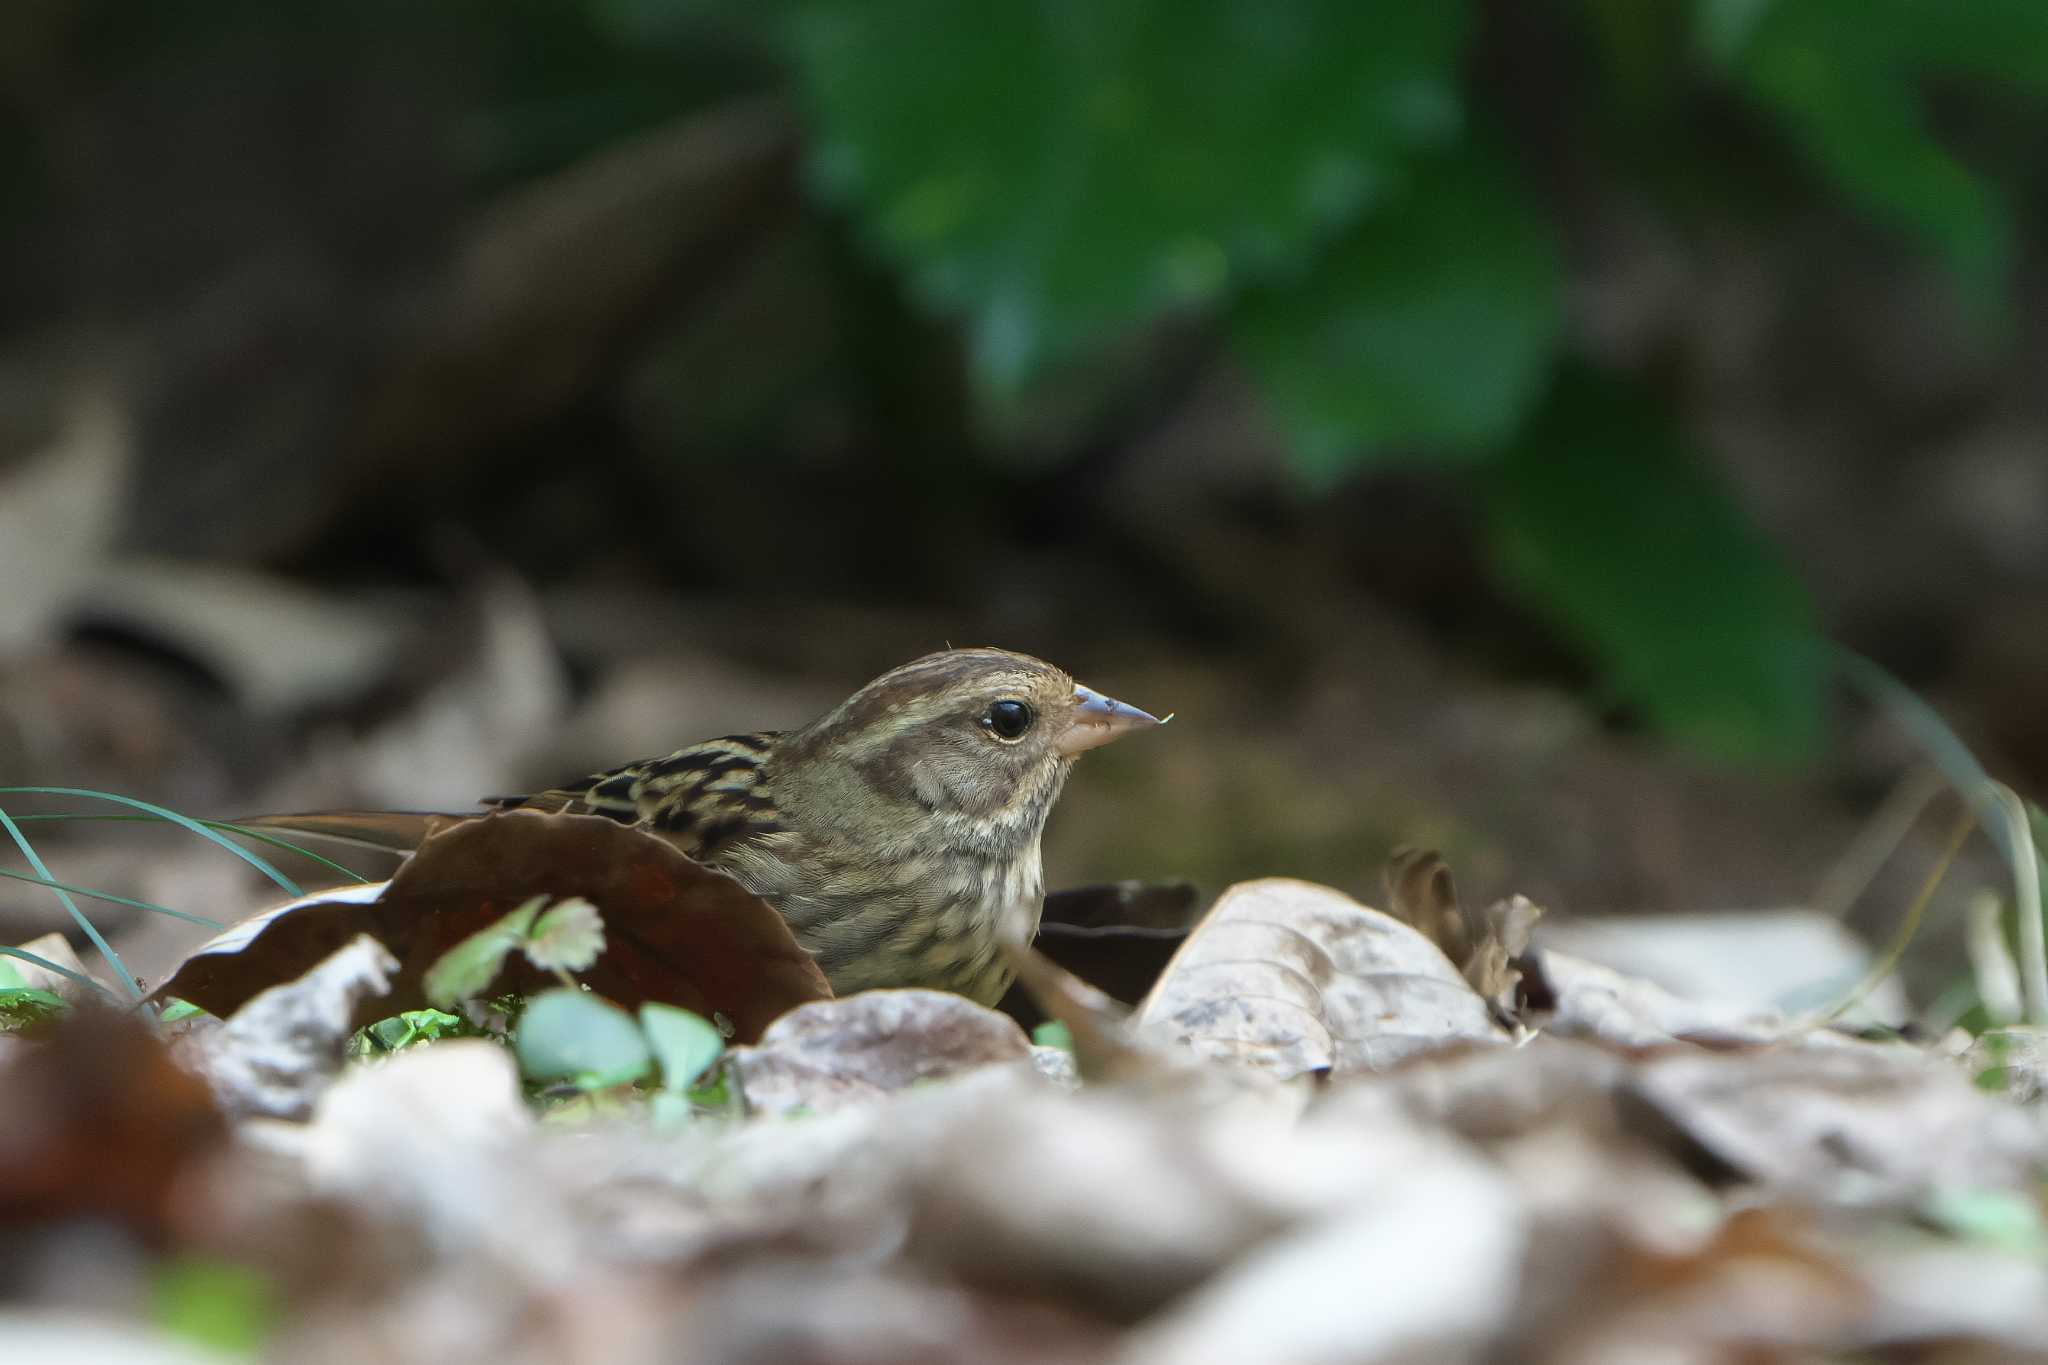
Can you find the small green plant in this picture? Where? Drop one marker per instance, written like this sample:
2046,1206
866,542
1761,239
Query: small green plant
576,1050
22,1007
564,938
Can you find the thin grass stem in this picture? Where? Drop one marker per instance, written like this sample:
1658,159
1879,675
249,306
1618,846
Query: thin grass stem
227,826
112,899
256,861
26,956
1886,965
106,949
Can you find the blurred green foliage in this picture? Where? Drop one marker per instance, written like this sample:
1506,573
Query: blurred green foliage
1347,194
1322,180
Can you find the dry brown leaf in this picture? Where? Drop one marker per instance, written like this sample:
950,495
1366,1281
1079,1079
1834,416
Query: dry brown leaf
100,1123
834,1053
677,932
1486,947
1298,977
1493,967
1422,893
281,1050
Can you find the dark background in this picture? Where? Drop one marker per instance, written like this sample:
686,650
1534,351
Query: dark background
1471,418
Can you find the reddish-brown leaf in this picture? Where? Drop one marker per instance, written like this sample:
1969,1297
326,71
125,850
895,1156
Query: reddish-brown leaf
676,931
100,1123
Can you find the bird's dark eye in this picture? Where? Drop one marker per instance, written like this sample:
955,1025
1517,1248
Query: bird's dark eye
1008,719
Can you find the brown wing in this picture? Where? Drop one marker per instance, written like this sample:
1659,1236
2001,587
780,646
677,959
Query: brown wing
704,798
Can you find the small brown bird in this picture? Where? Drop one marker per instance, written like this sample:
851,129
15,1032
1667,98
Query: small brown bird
898,833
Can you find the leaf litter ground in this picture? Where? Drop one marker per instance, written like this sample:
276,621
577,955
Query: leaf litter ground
1326,1133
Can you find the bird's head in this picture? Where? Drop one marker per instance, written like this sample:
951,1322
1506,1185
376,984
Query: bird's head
981,738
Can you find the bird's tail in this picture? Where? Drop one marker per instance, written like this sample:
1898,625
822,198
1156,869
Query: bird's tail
388,831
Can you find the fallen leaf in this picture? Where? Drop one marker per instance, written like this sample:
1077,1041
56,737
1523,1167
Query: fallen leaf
1298,977
836,1053
1835,1118
1422,893
277,1053
1424,1268
1493,967
1122,1199
1581,999
1764,960
54,947
677,932
1487,947
100,1123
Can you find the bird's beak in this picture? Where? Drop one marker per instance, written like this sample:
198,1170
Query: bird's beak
1096,720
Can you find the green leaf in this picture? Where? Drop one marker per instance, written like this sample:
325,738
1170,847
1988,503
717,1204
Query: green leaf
10,977
1431,323
1603,521
468,969
224,1307
1061,170
23,1007
174,1010
1052,1033
686,1044
572,1035
1846,78
566,938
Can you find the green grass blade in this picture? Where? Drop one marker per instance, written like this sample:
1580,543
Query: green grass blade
49,966
112,899
259,835
106,949
254,860
265,837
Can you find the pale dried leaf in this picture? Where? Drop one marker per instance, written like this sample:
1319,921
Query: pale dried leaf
1490,968
277,1053
1761,961
1587,1000
1297,977
1835,1118
1124,1199
54,947
833,1053
1424,1268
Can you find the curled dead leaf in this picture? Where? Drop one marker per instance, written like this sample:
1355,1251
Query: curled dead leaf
677,932
280,1051
1487,947
1297,977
